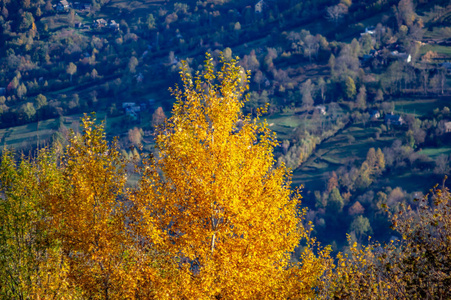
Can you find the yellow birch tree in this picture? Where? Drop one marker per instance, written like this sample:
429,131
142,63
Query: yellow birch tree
214,202
84,191
31,262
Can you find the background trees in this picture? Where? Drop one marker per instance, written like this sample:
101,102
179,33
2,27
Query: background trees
20,217
40,101
414,267
135,136
71,70
336,13
306,90
158,117
424,258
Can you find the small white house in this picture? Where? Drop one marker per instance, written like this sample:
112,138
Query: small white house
375,114
370,30
402,56
321,109
99,23
392,119
131,109
113,25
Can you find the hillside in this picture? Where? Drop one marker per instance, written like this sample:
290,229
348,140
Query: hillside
358,92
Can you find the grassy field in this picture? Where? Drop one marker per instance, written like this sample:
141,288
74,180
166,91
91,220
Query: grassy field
26,136
350,144
434,152
130,9
341,149
411,181
441,50
420,107
284,124
437,33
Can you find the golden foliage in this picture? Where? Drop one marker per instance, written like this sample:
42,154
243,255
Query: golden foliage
212,216
88,209
214,201
31,263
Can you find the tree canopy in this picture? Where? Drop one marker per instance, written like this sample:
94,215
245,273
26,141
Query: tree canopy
212,216
230,216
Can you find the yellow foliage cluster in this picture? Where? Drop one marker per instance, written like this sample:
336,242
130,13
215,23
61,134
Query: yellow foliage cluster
212,216
227,214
